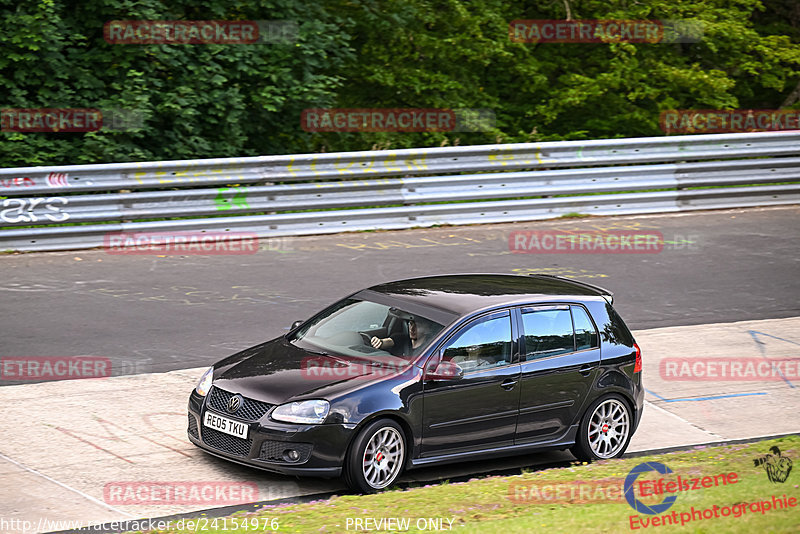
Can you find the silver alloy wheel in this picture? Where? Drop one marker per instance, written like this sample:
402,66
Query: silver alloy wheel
383,457
608,428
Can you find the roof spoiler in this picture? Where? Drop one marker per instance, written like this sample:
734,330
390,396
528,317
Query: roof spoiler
605,293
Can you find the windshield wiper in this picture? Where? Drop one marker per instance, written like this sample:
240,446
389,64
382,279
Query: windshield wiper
327,354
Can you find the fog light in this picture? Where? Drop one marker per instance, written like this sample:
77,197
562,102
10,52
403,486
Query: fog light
292,455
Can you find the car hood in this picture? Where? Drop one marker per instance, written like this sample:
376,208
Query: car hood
277,372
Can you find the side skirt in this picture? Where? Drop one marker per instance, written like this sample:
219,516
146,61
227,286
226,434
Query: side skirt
563,442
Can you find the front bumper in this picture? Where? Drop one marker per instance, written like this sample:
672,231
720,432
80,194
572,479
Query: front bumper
321,448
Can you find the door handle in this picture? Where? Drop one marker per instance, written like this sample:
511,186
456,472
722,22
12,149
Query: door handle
586,370
508,384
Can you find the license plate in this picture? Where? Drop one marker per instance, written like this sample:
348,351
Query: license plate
223,424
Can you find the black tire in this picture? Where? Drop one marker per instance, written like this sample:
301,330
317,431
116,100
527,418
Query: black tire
376,458
608,414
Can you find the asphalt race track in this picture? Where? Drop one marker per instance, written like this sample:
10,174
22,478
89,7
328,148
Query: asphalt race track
153,314
725,285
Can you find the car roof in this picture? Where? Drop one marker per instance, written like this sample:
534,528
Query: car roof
462,294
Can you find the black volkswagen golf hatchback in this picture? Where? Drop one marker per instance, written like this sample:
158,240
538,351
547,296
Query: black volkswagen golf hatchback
428,371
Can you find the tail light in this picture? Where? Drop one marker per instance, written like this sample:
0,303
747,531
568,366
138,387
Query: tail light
637,367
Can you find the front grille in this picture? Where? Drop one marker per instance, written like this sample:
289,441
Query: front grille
193,426
272,451
226,443
250,410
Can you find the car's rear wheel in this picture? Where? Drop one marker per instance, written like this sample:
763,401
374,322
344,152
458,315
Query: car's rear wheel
376,458
605,430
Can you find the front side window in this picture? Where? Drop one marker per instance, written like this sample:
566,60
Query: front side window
482,345
548,332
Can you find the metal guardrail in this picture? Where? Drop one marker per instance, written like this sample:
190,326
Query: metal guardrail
325,193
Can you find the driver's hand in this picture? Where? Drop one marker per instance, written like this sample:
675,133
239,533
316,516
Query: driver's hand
376,342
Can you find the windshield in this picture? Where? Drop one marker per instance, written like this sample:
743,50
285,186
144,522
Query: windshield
365,329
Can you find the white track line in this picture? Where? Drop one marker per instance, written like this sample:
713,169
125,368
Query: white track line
84,495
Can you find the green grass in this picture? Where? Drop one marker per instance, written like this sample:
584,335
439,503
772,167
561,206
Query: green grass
484,505
574,215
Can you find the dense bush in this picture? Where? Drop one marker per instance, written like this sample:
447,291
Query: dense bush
221,100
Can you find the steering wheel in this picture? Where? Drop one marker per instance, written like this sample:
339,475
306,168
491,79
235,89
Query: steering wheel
366,338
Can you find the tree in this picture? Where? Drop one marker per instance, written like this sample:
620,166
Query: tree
217,100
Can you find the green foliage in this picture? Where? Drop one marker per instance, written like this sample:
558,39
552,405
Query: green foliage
210,100
456,54
217,100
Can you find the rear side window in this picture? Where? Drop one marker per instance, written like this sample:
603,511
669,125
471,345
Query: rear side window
548,333
616,331
585,333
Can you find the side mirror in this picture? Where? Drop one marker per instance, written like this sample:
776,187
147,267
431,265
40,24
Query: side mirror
446,370
296,324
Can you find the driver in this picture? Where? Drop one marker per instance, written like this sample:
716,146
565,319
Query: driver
400,344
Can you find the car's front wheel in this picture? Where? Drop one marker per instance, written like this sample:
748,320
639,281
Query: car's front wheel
605,430
376,458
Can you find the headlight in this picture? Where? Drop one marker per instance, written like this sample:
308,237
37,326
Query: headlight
308,412
205,382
